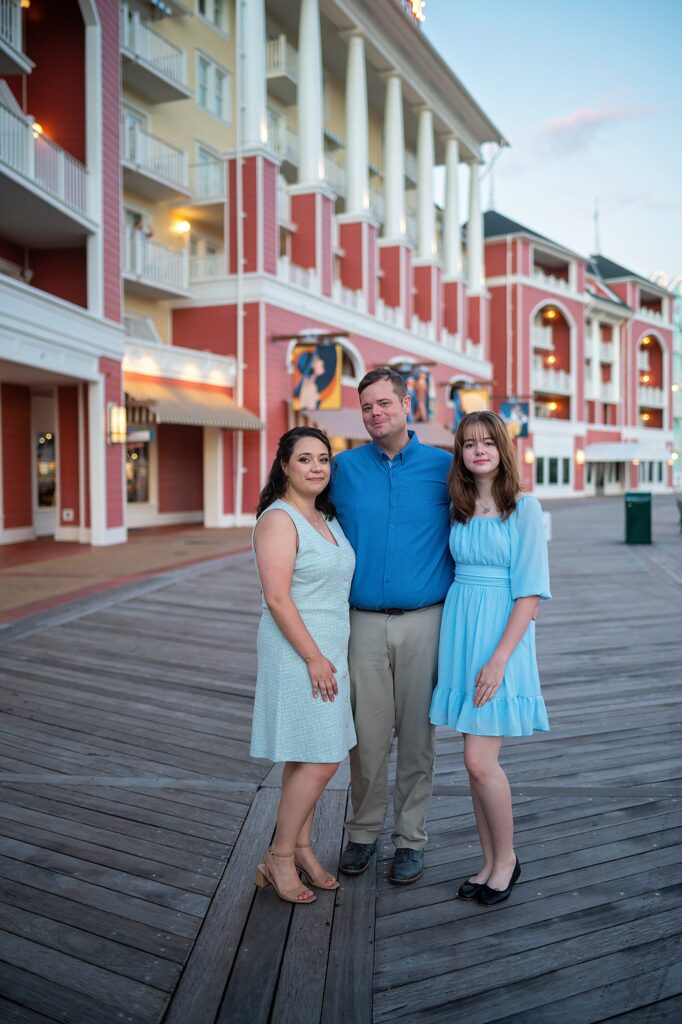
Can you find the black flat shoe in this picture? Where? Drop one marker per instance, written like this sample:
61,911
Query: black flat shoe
469,890
491,897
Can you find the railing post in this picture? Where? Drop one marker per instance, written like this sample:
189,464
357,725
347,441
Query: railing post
30,152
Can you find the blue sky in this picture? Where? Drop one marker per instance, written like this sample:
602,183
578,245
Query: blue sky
590,97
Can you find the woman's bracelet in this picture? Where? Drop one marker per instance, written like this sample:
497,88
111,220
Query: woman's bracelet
311,656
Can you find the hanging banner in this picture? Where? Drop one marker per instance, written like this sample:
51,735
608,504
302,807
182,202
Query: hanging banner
466,400
515,415
418,382
317,376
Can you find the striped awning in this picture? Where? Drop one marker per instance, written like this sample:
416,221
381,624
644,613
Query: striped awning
164,402
348,423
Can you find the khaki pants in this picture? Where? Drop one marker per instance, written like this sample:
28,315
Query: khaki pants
393,662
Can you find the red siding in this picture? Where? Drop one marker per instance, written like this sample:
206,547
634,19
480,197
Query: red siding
304,240
389,261
351,239
61,272
113,453
451,306
371,269
212,328
16,456
496,259
250,220
270,228
327,255
181,468
68,465
423,283
111,164
232,216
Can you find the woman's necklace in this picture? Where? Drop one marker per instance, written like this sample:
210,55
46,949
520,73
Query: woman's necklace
317,524
485,509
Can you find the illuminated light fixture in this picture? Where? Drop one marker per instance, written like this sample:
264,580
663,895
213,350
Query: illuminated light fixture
552,406
671,462
183,227
41,440
580,457
675,456
644,378
550,314
646,416
635,462
675,387
118,423
646,341
551,360
529,456
37,129
25,4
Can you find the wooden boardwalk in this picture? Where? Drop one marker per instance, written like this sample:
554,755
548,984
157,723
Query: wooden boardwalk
131,818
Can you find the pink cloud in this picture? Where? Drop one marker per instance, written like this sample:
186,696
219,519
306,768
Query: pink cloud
575,132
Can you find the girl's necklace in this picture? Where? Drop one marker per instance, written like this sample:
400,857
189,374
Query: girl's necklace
484,509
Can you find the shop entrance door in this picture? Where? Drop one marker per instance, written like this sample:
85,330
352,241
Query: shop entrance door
44,454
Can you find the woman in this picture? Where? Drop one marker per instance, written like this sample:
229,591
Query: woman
488,683
302,709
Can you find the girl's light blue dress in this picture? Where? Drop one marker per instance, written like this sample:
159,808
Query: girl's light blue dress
496,561
289,724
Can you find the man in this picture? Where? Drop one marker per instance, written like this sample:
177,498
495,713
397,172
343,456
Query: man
392,500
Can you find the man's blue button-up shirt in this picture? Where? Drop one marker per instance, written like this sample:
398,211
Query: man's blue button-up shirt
395,514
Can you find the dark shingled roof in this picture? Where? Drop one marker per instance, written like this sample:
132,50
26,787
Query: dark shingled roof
496,225
611,271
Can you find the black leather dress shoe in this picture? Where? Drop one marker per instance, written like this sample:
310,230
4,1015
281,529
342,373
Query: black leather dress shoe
488,897
356,857
469,890
408,866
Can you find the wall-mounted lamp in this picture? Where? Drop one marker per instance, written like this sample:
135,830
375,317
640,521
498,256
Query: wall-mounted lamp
550,314
644,378
551,360
116,414
529,456
646,341
37,129
182,227
635,462
25,4
552,406
646,416
579,457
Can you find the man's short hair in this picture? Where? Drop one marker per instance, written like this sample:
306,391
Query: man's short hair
384,373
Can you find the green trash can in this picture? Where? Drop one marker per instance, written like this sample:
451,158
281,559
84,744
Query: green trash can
638,517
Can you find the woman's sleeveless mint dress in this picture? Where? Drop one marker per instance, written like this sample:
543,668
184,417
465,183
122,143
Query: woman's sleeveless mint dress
289,724
496,561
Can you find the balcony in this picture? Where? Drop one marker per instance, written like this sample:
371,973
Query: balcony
542,339
282,141
281,69
550,281
652,398
643,359
604,391
377,204
154,270
349,297
300,277
151,167
152,67
43,189
335,175
550,381
607,352
13,60
208,182
210,267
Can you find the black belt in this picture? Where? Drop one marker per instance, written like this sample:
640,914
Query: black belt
393,611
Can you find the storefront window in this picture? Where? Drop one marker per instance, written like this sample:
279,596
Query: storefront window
553,471
566,465
137,472
46,467
540,471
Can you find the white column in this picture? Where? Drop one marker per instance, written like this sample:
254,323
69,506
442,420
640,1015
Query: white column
426,215
252,91
310,107
475,268
452,242
357,179
97,446
394,160
595,365
615,367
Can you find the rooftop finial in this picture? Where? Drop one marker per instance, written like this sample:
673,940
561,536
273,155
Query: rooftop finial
597,243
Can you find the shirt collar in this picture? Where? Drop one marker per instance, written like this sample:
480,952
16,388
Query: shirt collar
403,456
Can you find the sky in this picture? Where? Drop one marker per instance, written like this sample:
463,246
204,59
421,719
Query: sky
589,96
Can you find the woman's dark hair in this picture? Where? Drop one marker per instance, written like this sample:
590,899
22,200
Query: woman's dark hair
507,482
276,483
304,365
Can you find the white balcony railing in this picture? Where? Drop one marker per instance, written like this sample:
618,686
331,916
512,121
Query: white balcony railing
643,359
542,338
155,157
607,352
377,204
550,281
283,205
423,328
652,397
153,263
301,277
207,180
652,314
335,175
41,161
207,268
349,297
392,315
553,381
281,139
281,58
10,24
147,45
609,392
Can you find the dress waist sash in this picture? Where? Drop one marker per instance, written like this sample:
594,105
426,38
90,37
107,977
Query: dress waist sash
483,575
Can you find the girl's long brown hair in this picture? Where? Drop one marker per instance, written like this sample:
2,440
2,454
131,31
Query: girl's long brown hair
507,483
